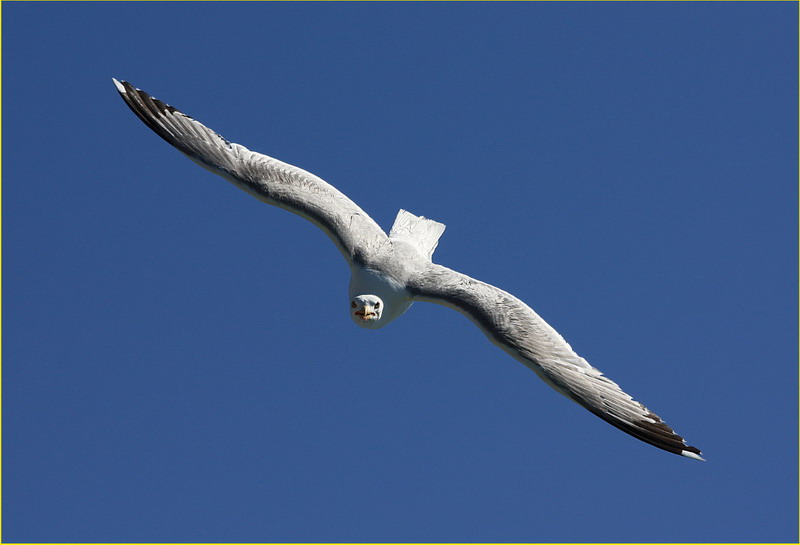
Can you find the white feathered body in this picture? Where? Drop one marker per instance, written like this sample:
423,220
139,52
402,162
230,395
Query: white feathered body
407,252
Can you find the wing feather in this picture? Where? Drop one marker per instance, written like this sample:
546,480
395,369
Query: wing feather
517,329
270,180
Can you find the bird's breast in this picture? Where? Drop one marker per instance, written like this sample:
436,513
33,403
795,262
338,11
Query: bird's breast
395,296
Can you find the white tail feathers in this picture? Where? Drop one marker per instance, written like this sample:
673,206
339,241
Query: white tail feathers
418,231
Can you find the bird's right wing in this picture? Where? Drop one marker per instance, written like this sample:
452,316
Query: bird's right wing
516,328
272,181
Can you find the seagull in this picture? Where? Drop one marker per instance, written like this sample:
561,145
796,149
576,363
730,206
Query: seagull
390,272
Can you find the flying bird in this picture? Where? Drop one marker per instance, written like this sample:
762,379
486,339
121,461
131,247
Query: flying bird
390,272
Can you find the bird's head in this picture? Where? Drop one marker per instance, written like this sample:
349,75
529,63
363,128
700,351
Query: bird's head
366,311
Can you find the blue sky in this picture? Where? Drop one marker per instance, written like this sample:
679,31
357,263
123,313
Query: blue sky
178,361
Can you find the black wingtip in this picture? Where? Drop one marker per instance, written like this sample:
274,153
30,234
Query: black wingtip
653,431
121,86
149,109
693,453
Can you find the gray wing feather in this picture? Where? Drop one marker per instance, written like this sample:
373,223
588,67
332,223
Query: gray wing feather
270,180
516,328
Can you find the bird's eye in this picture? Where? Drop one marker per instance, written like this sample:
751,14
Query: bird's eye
353,304
377,305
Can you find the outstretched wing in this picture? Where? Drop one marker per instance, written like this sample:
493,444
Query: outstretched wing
517,329
272,181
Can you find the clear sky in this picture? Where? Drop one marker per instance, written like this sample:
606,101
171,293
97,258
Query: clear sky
179,364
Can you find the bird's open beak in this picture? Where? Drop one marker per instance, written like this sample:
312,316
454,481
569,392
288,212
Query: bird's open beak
367,314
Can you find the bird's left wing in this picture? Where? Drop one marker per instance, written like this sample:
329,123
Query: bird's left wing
516,328
270,180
